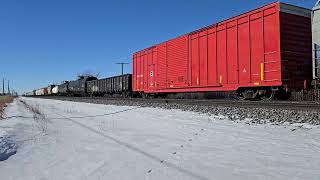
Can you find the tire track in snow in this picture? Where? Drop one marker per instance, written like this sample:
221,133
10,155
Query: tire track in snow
133,148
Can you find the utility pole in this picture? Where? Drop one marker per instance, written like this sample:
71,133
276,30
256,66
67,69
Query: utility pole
3,86
122,63
8,87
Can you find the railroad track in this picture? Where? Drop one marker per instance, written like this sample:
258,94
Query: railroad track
289,105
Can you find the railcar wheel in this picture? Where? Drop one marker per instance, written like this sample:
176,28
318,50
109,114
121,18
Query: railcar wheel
240,96
268,95
256,94
248,94
145,95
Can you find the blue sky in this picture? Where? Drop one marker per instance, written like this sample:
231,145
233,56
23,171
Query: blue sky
48,41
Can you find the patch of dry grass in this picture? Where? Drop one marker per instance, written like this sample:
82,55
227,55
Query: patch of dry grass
38,115
4,100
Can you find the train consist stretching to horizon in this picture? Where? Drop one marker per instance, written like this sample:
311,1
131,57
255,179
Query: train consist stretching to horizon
265,53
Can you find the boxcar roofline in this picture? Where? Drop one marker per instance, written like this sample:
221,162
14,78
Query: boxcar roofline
283,7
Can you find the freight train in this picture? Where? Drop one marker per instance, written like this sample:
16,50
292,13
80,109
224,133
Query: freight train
265,53
88,86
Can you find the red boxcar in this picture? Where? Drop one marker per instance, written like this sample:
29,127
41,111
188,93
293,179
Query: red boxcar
267,48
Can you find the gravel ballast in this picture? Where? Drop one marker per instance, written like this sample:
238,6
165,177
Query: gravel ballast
258,114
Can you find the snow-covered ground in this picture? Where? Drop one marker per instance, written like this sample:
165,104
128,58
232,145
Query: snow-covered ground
89,141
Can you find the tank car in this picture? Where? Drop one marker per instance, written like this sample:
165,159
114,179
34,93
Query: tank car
63,89
79,87
55,90
49,89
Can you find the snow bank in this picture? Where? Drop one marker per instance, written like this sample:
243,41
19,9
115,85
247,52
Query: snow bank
91,141
8,145
7,148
